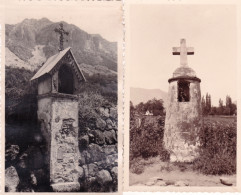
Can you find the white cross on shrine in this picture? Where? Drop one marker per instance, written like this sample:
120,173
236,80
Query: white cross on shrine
183,51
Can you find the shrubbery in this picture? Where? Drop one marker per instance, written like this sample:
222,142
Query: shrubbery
147,139
218,148
20,95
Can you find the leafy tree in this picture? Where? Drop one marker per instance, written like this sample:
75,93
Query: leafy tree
154,106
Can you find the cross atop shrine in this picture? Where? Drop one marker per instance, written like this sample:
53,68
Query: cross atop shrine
183,51
61,31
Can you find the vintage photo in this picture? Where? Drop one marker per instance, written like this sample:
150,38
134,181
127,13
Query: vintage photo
61,96
182,130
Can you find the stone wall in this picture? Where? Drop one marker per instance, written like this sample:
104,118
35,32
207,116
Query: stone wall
98,151
183,123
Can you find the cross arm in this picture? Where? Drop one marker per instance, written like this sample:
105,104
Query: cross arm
176,50
190,51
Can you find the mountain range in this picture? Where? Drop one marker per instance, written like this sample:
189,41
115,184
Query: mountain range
138,95
31,42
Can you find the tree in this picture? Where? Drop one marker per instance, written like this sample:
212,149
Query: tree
132,109
208,103
203,104
154,106
220,107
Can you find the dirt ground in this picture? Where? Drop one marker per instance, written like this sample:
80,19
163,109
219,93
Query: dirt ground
160,173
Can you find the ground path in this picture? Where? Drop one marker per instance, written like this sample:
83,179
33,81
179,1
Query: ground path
158,173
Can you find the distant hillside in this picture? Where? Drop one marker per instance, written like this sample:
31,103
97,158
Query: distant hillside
138,95
33,41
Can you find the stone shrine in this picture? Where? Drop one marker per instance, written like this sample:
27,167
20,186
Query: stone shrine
183,113
58,82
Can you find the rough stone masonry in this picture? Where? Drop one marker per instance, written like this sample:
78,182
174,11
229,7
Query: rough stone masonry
183,114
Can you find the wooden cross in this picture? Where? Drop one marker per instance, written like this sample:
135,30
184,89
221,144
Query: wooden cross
183,51
61,31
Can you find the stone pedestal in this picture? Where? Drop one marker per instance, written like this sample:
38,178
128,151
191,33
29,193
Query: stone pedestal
58,116
183,121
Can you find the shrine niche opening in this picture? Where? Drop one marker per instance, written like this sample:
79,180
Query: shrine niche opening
183,91
66,80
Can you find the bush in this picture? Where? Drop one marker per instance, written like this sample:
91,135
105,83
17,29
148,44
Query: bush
218,148
146,137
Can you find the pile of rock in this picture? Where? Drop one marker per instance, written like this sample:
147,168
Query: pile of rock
26,171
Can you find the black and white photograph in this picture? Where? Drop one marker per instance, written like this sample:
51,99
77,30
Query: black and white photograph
61,96
183,96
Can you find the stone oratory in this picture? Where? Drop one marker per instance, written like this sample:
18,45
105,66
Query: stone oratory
58,82
183,113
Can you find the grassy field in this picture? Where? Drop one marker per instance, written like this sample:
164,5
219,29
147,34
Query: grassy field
221,118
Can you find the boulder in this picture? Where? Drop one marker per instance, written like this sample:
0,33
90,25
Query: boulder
83,142
92,170
81,172
114,173
11,179
33,179
181,183
112,160
113,113
81,159
150,183
109,124
12,152
110,137
226,181
23,163
104,112
96,153
161,183
104,177
41,176
100,124
98,137
110,149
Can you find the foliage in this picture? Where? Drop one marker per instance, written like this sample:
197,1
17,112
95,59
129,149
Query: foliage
154,106
105,85
21,102
218,148
146,136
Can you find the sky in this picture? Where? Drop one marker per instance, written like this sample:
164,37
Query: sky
210,29
94,18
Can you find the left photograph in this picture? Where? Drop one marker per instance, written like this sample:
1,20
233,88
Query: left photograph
61,96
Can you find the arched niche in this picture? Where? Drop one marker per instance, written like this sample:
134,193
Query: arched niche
65,80
183,91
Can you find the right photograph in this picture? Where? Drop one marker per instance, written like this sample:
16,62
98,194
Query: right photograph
183,96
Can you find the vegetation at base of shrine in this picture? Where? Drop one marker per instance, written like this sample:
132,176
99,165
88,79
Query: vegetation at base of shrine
146,133
218,140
